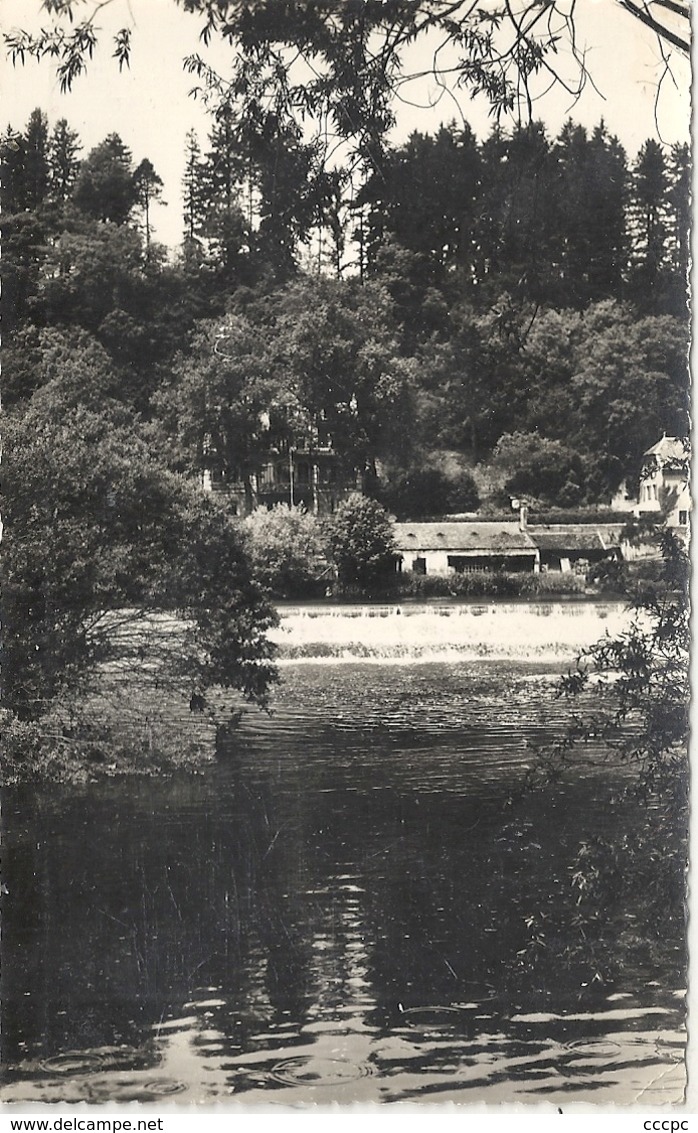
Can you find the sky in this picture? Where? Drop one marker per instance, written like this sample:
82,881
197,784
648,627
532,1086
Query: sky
149,105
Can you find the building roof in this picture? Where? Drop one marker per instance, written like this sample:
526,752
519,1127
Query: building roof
576,536
502,538
669,449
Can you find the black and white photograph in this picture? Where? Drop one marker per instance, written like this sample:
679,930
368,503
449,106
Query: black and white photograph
346,531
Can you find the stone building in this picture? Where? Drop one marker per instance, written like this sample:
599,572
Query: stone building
459,547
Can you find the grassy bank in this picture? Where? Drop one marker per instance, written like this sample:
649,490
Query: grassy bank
116,728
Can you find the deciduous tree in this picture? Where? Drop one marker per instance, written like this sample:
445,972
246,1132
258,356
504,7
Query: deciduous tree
361,540
541,469
127,540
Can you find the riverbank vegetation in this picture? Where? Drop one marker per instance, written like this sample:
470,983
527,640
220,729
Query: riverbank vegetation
116,570
625,892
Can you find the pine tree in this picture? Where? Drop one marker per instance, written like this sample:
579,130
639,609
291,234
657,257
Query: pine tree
649,226
284,172
193,190
609,224
222,219
330,220
105,189
12,172
64,146
517,236
679,224
591,238
425,197
149,188
36,163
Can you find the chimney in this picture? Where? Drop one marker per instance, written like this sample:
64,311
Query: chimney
523,517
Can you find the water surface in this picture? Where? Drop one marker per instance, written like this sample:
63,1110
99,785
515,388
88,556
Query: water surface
336,911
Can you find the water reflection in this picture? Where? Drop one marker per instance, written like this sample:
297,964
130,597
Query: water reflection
333,913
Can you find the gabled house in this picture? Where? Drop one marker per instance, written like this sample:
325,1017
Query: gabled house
306,474
460,547
664,472
664,484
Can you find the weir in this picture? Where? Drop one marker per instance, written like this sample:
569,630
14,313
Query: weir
537,631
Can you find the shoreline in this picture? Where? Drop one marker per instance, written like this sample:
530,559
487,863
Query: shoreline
123,727
588,597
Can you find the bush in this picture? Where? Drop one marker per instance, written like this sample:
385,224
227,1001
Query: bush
576,515
287,550
609,576
640,718
462,493
361,540
547,470
114,731
489,584
553,583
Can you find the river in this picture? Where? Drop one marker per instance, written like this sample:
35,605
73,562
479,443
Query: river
340,909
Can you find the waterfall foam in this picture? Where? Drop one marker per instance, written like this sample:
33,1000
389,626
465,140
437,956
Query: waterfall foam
445,632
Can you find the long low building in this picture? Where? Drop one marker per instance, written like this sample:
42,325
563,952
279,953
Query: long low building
455,547
563,545
448,548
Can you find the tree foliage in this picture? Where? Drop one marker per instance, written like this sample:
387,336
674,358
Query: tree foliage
287,550
425,490
643,714
105,188
630,697
337,342
356,53
235,353
362,544
128,541
541,470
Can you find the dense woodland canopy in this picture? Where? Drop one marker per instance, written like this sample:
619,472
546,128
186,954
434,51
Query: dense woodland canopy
523,286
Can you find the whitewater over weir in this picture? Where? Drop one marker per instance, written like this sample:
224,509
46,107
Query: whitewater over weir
463,631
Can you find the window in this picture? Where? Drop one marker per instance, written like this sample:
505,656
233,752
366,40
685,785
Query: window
683,518
419,566
302,472
466,564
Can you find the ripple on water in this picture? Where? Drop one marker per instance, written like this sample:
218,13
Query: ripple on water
309,1071
601,1048
73,1062
434,1021
132,1088
161,1087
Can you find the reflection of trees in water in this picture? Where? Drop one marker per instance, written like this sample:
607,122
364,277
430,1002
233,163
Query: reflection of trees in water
476,904
295,888
443,909
118,918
